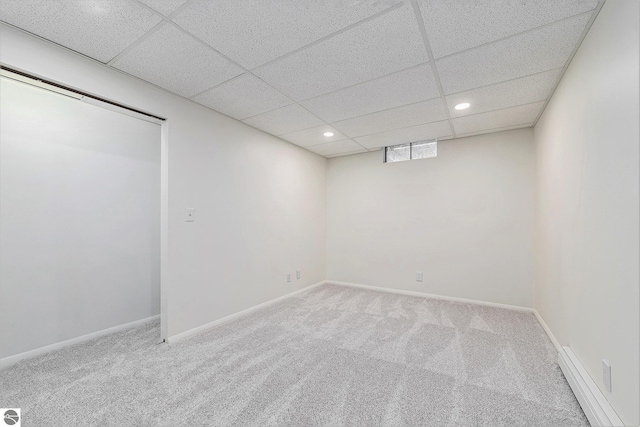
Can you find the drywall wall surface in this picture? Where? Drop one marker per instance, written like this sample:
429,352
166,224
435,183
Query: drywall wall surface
259,201
79,218
587,206
464,219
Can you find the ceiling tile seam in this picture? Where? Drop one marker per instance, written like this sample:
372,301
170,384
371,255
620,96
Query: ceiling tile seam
329,36
520,125
325,143
124,73
350,153
497,109
208,46
245,70
68,49
502,81
311,127
498,129
434,68
387,109
164,21
514,35
587,27
369,81
137,42
149,8
149,33
137,78
217,85
180,9
237,77
292,102
396,129
363,147
279,135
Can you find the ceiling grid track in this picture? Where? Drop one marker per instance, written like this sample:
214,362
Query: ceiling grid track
371,106
594,15
432,61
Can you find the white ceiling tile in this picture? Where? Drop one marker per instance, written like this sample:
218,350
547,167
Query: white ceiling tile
284,120
253,32
346,146
410,134
98,29
389,43
502,129
243,97
166,7
394,90
314,136
331,156
498,119
525,90
177,62
453,26
529,53
395,118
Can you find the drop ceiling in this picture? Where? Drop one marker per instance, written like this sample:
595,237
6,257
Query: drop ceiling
373,72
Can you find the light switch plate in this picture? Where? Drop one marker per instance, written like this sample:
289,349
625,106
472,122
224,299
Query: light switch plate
298,273
418,276
190,215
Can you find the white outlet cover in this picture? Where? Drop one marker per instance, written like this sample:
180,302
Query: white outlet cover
419,276
298,273
606,375
190,214
288,277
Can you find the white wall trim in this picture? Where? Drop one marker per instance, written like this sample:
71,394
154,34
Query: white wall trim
595,405
175,338
10,360
552,337
440,297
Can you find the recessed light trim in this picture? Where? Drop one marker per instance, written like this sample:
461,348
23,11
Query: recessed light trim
462,106
328,134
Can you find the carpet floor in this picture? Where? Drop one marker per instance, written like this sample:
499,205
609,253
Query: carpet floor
329,356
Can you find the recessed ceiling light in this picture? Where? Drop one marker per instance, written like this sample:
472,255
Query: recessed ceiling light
462,106
328,134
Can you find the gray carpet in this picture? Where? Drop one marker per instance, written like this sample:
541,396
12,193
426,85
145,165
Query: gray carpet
329,356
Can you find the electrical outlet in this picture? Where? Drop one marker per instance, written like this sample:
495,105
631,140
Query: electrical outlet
298,273
190,215
606,375
288,277
418,276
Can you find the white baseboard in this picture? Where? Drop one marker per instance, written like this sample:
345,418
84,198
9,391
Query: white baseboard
596,407
175,338
434,296
552,337
10,360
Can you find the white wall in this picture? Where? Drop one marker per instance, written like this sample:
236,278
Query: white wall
79,218
464,219
587,285
260,205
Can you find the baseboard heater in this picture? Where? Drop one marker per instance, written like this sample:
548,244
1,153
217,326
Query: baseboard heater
596,407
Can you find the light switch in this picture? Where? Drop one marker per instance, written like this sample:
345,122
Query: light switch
190,215
418,276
